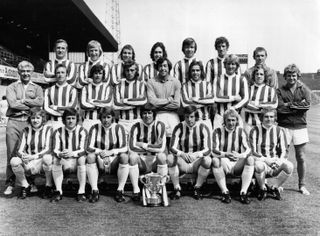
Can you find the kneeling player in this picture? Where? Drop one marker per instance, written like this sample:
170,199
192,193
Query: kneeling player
69,142
231,156
147,144
268,145
191,147
34,152
108,148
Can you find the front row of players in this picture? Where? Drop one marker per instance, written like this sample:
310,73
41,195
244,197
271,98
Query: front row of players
193,149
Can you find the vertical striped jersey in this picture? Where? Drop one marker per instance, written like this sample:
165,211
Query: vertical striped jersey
225,140
191,139
262,96
135,92
101,93
111,138
154,135
84,71
150,71
198,89
181,69
74,141
117,73
227,86
269,142
35,141
61,96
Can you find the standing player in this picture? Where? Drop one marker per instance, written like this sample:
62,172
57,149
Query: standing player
94,96
158,50
294,102
95,57
261,95
260,56
198,92
61,57
33,154
181,68
147,144
69,143
230,90
59,97
117,71
268,145
164,94
231,156
21,96
191,147
129,95
107,147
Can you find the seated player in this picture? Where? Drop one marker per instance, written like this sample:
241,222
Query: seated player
181,68
69,142
108,147
61,57
34,153
147,144
158,50
191,147
231,156
129,95
95,57
94,96
268,145
198,92
59,97
260,95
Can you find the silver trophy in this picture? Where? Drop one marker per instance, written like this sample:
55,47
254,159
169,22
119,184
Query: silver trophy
154,192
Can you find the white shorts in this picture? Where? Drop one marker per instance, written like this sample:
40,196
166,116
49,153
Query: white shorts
127,124
87,123
147,162
170,119
297,136
107,163
34,166
269,170
192,168
69,164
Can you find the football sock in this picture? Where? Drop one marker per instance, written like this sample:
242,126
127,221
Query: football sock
281,178
92,173
260,177
162,169
123,172
202,176
220,177
48,173
134,176
174,175
20,175
57,175
81,174
246,178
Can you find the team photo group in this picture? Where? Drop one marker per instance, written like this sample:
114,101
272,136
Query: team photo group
128,120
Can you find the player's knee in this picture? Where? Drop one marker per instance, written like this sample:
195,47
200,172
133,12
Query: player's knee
47,160
250,161
124,158
172,160
133,158
15,161
81,161
206,162
216,163
162,159
91,158
287,167
259,167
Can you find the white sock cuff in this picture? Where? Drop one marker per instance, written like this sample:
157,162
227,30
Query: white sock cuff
123,166
134,166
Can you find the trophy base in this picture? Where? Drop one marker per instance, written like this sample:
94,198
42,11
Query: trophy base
154,202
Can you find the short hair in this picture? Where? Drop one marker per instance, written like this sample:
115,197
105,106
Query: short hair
60,41
148,107
231,59
94,44
232,113
156,45
188,42
97,68
197,63
130,63
191,109
220,40
24,64
257,68
265,110
259,49
128,47
162,60
59,66
292,68
70,112
105,111
37,110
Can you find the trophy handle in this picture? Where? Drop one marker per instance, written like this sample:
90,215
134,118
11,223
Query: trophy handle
144,197
143,179
165,179
165,196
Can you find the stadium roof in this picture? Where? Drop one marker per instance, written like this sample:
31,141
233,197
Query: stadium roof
31,27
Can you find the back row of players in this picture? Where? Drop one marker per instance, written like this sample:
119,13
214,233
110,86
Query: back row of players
222,93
